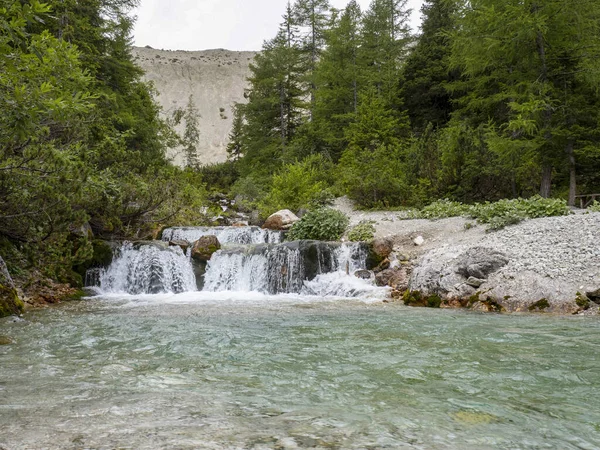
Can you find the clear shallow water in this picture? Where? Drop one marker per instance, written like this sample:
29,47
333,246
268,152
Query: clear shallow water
224,371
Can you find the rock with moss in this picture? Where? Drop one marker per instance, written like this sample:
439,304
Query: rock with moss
10,303
281,220
205,247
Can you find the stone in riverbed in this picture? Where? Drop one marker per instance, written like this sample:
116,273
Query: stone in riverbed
363,274
397,279
205,247
281,220
10,303
475,282
183,245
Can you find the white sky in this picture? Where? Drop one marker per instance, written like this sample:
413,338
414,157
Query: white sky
210,24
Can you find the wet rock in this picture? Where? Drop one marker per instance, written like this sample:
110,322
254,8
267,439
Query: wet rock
397,279
10,303
383,265
281,220
183,245
363,274
205,247
382,247
593,295
5,340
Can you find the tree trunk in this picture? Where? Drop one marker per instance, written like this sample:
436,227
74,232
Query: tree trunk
546,180
572,173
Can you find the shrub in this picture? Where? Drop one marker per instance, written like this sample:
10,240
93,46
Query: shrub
324,224
496,215
364,231
296,186
594,207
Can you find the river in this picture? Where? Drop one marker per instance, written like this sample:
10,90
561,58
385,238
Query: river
223,370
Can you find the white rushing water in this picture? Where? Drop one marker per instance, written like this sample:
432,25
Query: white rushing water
310,268
148,269
225,235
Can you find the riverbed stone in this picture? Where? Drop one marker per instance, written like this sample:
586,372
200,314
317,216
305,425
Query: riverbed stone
281,221
10,303
205,247
397,278
183,245
363,274
382,247
479,262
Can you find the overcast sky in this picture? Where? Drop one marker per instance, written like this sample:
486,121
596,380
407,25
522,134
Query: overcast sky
209,24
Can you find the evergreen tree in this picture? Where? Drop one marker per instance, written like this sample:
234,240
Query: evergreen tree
313,16
384,46
235,146
191,133
336,100
531,78
276,100
427,68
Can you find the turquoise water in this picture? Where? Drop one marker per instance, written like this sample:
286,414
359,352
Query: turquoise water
192,371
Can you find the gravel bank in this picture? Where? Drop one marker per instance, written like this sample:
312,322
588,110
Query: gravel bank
552,259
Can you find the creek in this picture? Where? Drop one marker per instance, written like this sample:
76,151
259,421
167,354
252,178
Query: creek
306,366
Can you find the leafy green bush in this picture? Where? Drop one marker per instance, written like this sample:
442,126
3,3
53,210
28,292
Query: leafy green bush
296,186
364,231
323,224
441,209
594,207
498,214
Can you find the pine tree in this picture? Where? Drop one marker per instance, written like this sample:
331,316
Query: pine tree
531,78
276,100
384,46
313,17
191,133
427,68
235,147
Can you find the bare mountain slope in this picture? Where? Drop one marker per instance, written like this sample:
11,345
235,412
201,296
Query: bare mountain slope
215,78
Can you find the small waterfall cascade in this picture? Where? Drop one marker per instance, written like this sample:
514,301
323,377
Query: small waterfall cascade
251,260
225,235
282,268
145,268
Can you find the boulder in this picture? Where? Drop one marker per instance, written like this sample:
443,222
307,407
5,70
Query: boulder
363,274
204,248
382,247
10,303
397,279
383,265
183,245
281,220
479,262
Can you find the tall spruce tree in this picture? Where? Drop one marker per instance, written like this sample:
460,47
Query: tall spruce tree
276,99
384,46
427,68
528,61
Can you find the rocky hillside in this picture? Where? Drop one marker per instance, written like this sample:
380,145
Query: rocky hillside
215,78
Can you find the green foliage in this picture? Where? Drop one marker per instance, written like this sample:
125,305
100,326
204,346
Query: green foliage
297,186
594,207
418,299
496,215
362,232
323,224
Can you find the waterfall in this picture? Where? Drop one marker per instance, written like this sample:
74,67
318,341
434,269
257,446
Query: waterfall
251,260
147,268
281,268
226,235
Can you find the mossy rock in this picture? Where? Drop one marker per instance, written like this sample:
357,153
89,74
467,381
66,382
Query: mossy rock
10,303
417,299
582,301
540,305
